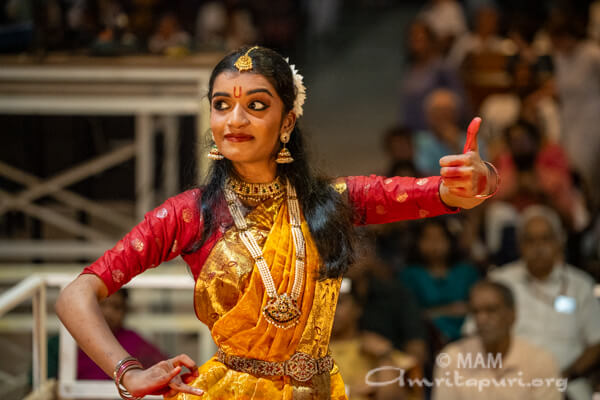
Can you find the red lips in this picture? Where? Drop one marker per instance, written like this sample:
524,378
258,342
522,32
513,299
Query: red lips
238,137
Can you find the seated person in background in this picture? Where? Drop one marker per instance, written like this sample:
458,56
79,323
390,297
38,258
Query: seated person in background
555,303
534,170
389,308
483,39
357,352
425,72
114,309
398,146
169,38
439,279
494,353
443,134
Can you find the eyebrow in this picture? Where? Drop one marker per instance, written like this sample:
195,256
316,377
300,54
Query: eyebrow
259,91
225,94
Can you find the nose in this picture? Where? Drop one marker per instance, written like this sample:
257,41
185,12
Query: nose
237,117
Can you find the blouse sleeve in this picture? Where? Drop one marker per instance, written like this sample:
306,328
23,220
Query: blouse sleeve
380,200
164,233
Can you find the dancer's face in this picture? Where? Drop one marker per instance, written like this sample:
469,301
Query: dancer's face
247,117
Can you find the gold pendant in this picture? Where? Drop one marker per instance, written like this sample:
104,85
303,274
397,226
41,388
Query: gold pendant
282,311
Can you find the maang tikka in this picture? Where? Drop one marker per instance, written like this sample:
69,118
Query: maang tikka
284,156
244,63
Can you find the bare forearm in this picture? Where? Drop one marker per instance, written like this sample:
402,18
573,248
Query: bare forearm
588,358
78,309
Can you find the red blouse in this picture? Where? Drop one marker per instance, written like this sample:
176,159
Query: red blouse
174,227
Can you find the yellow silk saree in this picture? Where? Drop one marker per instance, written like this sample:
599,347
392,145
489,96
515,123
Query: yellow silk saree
229,297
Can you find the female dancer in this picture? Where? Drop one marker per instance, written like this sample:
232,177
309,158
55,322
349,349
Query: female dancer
267,242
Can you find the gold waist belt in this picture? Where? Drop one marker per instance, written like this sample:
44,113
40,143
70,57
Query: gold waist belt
300,366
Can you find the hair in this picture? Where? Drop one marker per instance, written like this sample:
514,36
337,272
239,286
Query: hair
569,23
454,255
429,32
393,132
546,213
530,129
328,215
504,291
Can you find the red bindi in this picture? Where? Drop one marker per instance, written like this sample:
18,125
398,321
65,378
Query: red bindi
237,92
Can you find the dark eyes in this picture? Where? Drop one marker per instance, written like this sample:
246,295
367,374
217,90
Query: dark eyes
220,105
255,105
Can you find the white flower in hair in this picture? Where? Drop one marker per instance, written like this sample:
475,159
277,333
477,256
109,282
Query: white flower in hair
300,90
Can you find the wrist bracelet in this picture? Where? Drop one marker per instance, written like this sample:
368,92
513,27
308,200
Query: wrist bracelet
124,365
492,168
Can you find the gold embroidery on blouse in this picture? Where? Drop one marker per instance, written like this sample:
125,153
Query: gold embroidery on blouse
137,244
187,215
401,198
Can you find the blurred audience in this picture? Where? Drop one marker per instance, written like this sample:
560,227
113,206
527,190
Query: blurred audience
169,38
447,20
555,303
483,39
443,134
358,352
440,279
398,146
425,72
533,171
389,308
577,72
495,353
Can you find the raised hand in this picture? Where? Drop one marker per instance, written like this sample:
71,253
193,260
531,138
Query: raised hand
162,378
466,179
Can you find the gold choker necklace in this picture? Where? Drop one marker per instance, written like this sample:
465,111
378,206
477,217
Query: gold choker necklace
256,191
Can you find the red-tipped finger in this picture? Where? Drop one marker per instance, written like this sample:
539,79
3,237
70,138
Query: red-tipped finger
471,143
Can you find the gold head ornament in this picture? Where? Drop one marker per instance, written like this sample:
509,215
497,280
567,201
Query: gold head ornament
244,63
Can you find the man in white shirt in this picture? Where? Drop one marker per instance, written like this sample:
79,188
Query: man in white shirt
555,303
494,364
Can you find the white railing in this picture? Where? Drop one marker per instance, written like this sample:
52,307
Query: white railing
69,387
34,288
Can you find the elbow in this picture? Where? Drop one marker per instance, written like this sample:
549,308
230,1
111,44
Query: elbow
82,292
60,305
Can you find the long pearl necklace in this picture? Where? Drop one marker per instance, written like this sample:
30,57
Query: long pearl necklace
280,310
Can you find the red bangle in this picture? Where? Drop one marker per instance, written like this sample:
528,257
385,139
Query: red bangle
492,168
124,365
